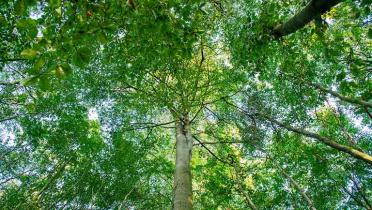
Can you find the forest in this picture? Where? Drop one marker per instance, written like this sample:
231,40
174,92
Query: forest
186,104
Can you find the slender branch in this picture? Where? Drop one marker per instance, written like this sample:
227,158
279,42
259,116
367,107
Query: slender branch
299,188
367,111
159,80
218,5
247,197
52,179
9,83
346,149
220,142
126,196
343,148
352,100
213,101
210,152
193,118
342,97
9,118
202,52
15,177
292,181
150,125
222,98
240,183
359,189
12,59
357,201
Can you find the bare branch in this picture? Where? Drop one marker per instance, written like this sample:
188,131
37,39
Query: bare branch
9,118
150,125
11,59
219,142
210,152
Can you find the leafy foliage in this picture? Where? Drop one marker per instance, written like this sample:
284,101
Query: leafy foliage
90,92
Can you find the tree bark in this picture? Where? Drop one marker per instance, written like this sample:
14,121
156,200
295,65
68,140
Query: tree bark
182,186
343,148
313,9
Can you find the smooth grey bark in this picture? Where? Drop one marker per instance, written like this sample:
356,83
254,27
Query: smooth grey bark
313,9
182,186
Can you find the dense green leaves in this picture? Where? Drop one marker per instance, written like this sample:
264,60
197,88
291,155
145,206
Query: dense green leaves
81,57
91,92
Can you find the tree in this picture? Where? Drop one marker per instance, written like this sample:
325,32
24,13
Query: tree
183,105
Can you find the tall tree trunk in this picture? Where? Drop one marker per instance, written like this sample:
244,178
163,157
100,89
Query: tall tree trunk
182,186
313,9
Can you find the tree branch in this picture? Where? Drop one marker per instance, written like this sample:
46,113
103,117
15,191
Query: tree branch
299,188
346,149
150,125
313,9
342,97
210,152
240,183
11,59
220,142
9,118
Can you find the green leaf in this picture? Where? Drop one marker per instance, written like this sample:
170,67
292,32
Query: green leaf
20,7
81,57
54,3
355,70
3,21
29,53
44,83
62,71
59,72
67,69
341,76
366,2
102,37
26,23
110,28
370,33
345,87
40,63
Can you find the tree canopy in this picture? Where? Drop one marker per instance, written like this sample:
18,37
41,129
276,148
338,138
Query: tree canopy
175,104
